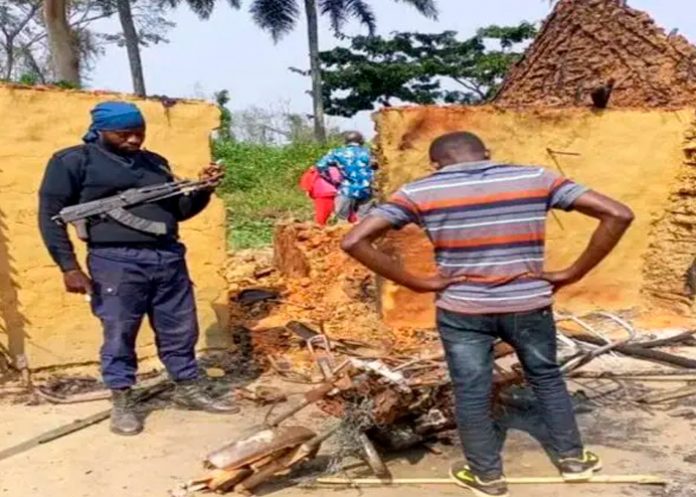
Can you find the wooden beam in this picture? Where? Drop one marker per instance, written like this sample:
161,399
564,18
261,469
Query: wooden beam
532,480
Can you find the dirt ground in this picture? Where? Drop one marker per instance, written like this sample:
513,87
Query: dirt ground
93,462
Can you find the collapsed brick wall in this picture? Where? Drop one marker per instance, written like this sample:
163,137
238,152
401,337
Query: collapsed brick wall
672,251
319,276
584,43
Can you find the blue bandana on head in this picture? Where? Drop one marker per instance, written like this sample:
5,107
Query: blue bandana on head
113,116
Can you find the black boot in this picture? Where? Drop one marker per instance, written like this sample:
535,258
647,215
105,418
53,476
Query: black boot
124,420
191,394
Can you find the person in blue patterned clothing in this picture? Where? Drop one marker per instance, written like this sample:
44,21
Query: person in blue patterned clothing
355,191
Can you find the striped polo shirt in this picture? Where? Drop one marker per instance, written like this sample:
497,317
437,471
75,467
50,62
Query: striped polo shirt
486,221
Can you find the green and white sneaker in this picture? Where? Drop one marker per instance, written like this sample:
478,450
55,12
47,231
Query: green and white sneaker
465,478
580,469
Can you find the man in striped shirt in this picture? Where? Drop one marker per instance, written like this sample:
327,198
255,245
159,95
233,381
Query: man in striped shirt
486,222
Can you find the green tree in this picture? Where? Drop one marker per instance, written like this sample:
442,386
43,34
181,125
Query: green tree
132,42
420,68
224,131
202,8
143,22
279,17
25,53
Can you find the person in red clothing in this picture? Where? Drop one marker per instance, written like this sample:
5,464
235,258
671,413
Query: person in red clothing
322,192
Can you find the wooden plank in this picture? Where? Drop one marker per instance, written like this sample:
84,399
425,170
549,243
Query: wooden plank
532,480
646,378
657,398
225,479
642,352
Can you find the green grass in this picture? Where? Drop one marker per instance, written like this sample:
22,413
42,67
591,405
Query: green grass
261,187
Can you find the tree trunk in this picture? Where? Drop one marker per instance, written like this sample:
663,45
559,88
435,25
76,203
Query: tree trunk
132,46
315,70
9,61
64,54
31,60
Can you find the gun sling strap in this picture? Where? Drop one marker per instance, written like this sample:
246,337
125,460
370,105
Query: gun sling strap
121,215
137,223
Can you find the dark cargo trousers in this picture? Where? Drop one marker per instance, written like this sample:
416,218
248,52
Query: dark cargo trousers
468,342
131,283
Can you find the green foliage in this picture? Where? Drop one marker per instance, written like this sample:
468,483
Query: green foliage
67,85
222,98
261,187
279,17
202,8
411,67
29,79
275,125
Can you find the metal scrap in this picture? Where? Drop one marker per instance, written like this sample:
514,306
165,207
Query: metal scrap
251,296
404,398
584,358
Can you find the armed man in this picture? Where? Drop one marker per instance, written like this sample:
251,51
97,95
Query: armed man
486,221
135,261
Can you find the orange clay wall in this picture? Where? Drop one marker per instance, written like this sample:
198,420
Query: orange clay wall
639,157
37,317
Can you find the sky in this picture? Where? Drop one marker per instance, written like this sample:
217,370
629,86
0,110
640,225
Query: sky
230,52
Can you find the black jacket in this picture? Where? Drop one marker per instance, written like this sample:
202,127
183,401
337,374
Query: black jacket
90,172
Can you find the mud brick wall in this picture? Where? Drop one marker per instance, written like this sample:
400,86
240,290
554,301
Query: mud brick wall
636,156
673,242
37,317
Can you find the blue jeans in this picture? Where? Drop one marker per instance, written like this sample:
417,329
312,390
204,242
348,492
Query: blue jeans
468,342
131,283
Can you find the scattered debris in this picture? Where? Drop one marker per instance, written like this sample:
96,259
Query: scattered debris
214,372
270,448
263,272
141,396
636,376
22,365
641,352
64,386
399,394
687,413
75,398
262,395
661,397
251,296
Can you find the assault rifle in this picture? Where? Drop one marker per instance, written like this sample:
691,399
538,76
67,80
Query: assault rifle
115,206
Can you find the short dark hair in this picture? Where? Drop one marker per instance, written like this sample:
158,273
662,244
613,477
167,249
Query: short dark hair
353,137
457,145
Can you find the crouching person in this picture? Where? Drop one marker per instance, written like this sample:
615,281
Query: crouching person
486,221
132,273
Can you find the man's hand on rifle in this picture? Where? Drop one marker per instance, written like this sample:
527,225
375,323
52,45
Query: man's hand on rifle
213,172
76,281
